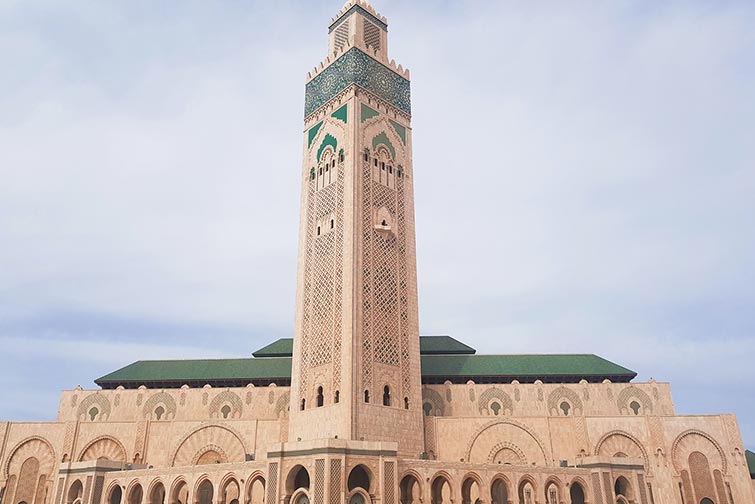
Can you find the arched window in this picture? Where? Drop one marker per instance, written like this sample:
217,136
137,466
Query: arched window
496,407
406,403
635,407
93,413
577,494
622,487
159,412
115,495
565,407
205,492
320,397
367,396
367,155
386,396
337,397
427,408
358,478
301,479
409,490
303,404
136,495
225,411
499,493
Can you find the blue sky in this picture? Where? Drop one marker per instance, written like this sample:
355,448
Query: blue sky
584,183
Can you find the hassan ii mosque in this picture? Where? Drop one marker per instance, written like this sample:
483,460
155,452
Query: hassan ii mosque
357,408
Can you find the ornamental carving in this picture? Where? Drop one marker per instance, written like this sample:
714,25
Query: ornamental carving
356,67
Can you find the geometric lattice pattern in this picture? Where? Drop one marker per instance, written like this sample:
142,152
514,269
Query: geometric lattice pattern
335,481
319,481
323,284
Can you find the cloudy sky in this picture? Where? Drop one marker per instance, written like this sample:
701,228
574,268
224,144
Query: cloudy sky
585,181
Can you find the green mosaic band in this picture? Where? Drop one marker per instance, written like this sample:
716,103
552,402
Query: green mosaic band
356,67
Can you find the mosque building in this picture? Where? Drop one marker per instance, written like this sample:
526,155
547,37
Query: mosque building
357,408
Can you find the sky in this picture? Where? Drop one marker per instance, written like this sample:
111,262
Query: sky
584,181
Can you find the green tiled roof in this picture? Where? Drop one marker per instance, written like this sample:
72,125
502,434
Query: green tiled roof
751,463
428,345
435,369
548,368
228,372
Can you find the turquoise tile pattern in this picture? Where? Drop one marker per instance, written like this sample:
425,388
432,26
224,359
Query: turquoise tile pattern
356,67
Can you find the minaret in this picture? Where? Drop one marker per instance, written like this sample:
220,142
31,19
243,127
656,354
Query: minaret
356,366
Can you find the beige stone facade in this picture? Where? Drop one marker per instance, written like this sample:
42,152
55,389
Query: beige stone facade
357,421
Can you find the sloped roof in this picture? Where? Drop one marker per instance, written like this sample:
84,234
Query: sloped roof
428,345
751,462
435,369
525,368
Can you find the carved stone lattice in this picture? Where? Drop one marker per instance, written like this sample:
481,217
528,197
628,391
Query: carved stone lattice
335,481
323,283
319,493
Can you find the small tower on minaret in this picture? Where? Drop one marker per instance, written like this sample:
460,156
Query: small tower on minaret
356,366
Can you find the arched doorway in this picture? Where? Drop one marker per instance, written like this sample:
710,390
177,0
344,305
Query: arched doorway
359,478
552,493
297,479
230,493
157,494
205,493
116,494
622,488
470,491
499,492
136,494
75,491
526,492
706,501
410,490
180,493
257,491
440,491
577,494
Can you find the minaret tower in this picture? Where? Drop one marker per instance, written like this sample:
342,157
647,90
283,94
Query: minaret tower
356,367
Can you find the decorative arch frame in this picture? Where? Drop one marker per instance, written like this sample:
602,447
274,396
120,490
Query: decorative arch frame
511,446
633,392
692,432
373,128
630,437
414,474
557,396
554,481
298,493
257,475
94,399
505,421
290,481
356,491
130,488
527,478
20,444
151,488
330,126
578,480
155,400
370,474
175,486
447,477
228,478
194,495
436,400
198,429
96,440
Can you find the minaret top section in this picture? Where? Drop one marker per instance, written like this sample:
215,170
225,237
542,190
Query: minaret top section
358,23
357,55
